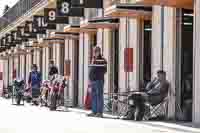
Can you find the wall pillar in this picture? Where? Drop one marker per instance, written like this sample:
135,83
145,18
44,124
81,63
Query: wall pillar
169,56
83,67
165,54
34,57
129,37
39,55
106,51
58,58
134,41
156,40
54,53
10,74
122,45
28,65
47,57
44,71
71,55
196,64
17,65
86,48
67,58
22,66
6,72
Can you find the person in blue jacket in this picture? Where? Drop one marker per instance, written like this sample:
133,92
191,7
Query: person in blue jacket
97,70
35,79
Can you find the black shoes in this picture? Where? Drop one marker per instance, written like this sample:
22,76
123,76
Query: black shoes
99,115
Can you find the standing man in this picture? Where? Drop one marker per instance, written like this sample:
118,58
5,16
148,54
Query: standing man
97,70
34,81
53,70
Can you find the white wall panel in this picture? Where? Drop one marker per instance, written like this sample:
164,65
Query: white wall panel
134,42
81,70
169,53
122,46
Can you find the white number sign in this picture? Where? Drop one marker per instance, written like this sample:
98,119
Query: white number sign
52,15
65,8
41,22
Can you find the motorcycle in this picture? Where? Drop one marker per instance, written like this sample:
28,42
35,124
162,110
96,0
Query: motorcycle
62,87
18,91
54,96
57,92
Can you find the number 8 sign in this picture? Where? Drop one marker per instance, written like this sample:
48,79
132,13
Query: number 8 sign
63,7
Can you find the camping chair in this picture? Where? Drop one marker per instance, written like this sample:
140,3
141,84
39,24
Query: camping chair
108,102
160,110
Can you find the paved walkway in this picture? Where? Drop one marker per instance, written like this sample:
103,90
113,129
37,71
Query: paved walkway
32,119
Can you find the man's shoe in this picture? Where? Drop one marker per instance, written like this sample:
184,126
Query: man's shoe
91,115
99,115
125,118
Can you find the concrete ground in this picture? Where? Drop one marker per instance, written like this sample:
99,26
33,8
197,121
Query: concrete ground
32,119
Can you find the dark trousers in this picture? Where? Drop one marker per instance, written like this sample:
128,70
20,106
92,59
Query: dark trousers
140,104
97,96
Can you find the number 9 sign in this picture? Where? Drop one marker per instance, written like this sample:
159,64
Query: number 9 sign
50,15
63,7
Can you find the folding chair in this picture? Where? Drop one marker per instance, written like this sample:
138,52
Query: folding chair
155,111
161,109
107,102
122,107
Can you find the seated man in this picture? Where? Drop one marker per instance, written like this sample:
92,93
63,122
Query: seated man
154,93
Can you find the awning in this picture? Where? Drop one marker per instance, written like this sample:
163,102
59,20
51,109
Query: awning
101,22
174,3
188,4
40,45
144,2
65,35
20,52
72,29
2,57
77,29
54,40
129,10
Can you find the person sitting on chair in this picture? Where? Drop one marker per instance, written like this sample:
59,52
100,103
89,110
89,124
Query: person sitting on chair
154,93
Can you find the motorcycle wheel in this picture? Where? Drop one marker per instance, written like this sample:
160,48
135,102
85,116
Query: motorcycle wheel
53,102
